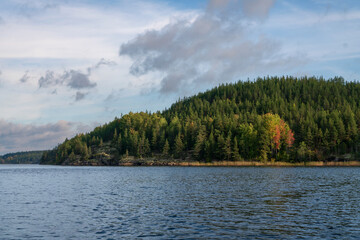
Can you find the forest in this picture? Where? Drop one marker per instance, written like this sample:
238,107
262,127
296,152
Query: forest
31,157
285,119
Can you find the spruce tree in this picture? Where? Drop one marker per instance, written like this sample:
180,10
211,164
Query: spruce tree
178,147
166,149
235,152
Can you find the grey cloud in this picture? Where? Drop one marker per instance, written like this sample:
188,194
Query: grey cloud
80,96
49,80
1,20
25,77
102,61
19,137
77,80
72,78
217,46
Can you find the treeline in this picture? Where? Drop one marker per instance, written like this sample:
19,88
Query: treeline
31,157
277,118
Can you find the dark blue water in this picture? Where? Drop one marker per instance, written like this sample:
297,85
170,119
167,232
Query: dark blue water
45,202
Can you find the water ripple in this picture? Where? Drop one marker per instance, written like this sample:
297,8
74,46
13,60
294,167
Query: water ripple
42,202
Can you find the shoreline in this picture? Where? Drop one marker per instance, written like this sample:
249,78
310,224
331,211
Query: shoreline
146,163
242,164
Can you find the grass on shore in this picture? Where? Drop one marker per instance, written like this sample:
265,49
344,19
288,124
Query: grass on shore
241,164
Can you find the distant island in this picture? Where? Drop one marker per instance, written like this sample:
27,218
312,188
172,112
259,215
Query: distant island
31,157
270,120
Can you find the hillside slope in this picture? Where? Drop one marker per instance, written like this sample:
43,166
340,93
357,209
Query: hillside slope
278,119
31,157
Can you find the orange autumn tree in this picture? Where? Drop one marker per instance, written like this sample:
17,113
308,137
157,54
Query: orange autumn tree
276,136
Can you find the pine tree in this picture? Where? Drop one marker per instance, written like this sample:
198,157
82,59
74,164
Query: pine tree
220,147
199,144
119,143
154,139
115,136
227,148
309,138
89,151
178,147
166,149
208,151
147,149
235,154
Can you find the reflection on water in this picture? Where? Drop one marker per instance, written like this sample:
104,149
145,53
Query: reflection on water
42,202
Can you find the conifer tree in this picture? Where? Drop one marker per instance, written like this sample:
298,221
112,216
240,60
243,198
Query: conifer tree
178,147
166,149
227,147
199,144
235,153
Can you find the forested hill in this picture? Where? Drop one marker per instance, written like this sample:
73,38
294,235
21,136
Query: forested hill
277,119
31,157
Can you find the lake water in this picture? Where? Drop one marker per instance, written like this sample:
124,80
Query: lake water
46,202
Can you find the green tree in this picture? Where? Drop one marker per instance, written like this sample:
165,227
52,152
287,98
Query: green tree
178,147
236,153
166,149
227,147
200,143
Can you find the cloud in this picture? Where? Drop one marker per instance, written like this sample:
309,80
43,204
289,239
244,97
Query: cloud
25,137
102,62
25,77
73,79
257,8
49,80
1,20
80,96
216,46
77,80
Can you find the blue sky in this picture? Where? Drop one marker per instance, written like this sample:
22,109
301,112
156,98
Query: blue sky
68,66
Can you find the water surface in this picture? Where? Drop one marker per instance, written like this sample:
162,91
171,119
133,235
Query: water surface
46,202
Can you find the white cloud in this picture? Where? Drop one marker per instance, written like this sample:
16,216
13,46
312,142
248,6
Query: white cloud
77,30
219,45
67,39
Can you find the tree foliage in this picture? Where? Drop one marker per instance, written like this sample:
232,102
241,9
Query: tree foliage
278,118
31,157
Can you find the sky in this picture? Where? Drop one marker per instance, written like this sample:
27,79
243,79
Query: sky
67,66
